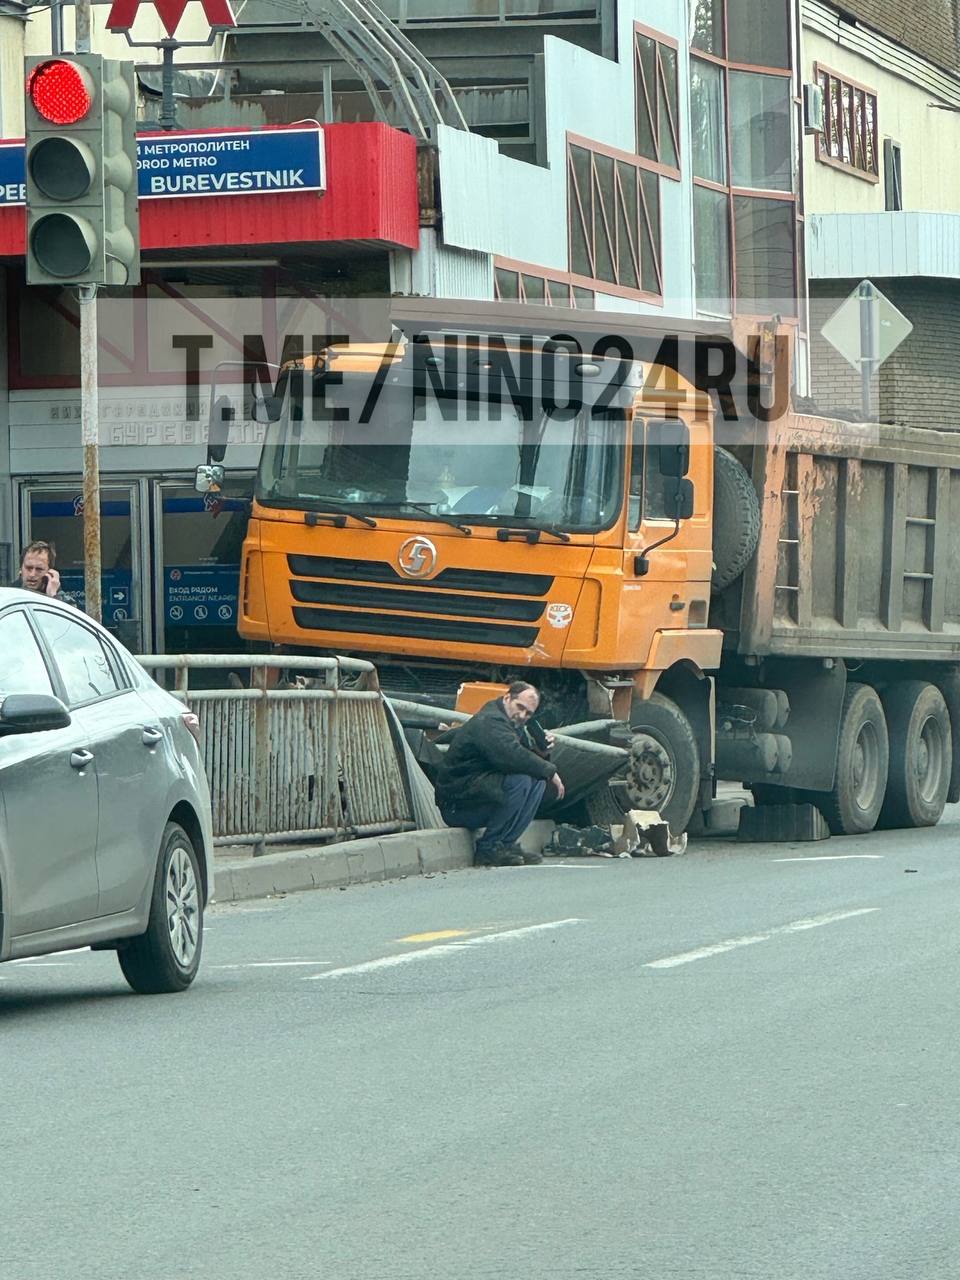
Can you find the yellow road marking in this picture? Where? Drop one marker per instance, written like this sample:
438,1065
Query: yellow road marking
439,933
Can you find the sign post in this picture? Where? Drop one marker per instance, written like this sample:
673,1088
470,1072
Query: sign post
865,329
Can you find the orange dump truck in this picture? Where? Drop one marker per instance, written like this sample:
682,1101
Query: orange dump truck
784,614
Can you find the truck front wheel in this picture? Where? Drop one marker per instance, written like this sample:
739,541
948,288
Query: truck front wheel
852,807
663,773
920,755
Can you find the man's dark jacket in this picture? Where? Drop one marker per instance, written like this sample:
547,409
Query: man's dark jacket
482,751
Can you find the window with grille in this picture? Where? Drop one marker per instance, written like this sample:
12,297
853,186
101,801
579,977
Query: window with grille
658,110
521,282
849,138
614,207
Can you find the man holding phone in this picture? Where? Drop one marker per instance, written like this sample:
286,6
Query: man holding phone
37,572
495,773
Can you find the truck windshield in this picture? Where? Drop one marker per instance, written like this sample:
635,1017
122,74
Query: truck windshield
493,467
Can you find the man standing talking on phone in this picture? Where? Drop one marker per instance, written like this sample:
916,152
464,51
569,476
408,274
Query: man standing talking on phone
37,572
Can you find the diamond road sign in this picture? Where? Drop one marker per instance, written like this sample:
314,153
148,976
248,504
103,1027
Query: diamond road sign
844,329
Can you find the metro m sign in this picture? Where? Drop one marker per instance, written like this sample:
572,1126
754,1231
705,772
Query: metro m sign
123,13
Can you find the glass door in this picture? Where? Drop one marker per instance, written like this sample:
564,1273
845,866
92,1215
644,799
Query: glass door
53,512
197,567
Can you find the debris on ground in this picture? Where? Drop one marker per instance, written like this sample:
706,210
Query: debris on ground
642,834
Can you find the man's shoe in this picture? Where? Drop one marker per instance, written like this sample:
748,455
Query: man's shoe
529,859
499,856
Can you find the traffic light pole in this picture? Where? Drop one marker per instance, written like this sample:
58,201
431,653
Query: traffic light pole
89,402
90,435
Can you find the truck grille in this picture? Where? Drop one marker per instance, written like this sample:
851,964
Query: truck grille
416,628
376,585
512,584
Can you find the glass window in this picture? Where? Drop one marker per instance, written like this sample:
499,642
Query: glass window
764,239
711,231
80,657
621,244
850,132
760,124
22,669
708,121
657,101
480,462
760,41
507,288
708,27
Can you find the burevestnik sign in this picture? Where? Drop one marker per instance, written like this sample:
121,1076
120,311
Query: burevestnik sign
174,165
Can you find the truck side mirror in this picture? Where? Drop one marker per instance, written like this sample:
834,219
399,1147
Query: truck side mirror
674,458
684,498
209,478
218,429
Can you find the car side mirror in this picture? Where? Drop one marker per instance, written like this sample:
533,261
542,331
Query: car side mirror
32,713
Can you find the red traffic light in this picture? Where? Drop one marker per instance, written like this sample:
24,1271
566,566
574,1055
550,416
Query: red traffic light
61,91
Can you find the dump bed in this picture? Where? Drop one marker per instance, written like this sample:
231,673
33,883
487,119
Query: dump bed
859,556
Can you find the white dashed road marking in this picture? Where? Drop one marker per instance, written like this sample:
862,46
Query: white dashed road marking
443,949
731,944
834,857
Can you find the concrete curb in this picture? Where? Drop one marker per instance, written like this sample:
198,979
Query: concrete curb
332,866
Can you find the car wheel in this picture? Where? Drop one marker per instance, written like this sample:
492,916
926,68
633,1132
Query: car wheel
167,956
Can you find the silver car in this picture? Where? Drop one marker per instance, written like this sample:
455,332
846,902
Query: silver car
105,830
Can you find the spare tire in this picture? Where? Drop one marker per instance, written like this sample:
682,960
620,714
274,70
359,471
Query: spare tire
736,519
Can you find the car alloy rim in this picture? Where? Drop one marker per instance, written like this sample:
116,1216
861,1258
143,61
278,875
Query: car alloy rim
183,908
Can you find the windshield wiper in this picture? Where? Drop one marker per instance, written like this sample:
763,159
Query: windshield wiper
342,510
452,521
529,531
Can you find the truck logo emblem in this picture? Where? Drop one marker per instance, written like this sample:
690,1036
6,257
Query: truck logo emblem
417,557
560,615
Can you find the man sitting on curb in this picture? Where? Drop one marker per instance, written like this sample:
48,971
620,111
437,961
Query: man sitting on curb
495,773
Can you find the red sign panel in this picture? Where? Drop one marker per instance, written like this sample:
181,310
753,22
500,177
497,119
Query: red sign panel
123,13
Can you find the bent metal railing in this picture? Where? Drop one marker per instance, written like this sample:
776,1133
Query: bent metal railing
288,763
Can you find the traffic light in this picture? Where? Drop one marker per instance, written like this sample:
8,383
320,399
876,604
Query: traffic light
83,222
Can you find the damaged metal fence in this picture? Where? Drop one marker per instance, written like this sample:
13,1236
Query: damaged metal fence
314,758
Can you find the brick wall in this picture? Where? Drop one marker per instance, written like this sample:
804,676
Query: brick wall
929,27
919,385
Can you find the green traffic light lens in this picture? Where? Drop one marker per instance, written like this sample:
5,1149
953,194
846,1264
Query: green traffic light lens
62,168
63,246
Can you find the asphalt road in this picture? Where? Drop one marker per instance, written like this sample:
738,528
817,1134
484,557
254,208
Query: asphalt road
738,1063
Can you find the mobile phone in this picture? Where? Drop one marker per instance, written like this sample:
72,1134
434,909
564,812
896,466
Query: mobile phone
44,582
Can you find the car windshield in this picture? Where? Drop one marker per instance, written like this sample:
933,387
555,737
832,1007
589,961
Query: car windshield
479,463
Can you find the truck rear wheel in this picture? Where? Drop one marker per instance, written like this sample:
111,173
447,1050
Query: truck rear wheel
663,773
920,755
852,807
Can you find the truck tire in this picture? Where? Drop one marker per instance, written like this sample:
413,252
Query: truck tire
921,755
852,807
663,772
736,519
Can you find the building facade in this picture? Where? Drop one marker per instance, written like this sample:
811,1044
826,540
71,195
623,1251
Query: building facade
632,156
883,197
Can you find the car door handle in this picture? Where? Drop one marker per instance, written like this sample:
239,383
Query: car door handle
151,736
80,759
